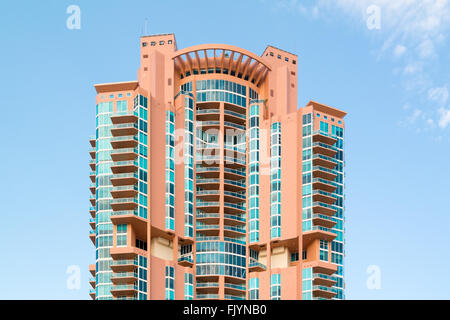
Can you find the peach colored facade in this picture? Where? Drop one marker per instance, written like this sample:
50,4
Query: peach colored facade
208,181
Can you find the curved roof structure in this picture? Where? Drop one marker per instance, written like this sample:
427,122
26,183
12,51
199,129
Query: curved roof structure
241,62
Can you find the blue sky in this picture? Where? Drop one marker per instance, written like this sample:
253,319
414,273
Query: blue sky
392,81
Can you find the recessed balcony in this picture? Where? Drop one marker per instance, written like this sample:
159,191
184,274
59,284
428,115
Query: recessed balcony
235,289
234,208
234,162
207,218
256,266
207,183
233,126
208,206
207,114
234,231
234,220
207,296
232,196
186,260
234,185
125,154
207,195
234,117
207,229
207,172
208,125
234,174
139,225
319,136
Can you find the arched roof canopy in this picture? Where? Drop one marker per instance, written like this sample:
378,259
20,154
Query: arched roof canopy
221,58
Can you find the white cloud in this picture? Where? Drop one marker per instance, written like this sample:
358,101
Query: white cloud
439,95
444,117
399,50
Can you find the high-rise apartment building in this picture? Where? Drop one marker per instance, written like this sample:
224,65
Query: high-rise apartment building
208,182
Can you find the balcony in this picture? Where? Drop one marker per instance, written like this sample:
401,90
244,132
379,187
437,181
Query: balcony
124,142
92,223
92,293
207,183
255,266
207,229
322,279
234,162
92,236
92,164
207,218
207,195
232,219
186,260
324,173
92,176
324,196
125,154
234,297
207,296
124,179
138,224
124,117
324,208
234,185
127,191
232,116
204,114
92,152
235,289
323,220
207,172
210,206
124,204
124,290
207,125
234,208
92,200
317,233
325,185
124,265
233,231
92,211
322,292
92,141
92,188
124,129
234,174
92,282
319,136
92,269
324,161
231,196
124,277
324,149
234,126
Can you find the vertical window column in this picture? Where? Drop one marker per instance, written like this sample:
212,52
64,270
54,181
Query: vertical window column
189,167
275,286
253,186
275,180
253,289
170,283
188,286
170,170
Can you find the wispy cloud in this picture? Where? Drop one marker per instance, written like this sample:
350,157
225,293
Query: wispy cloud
412,32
